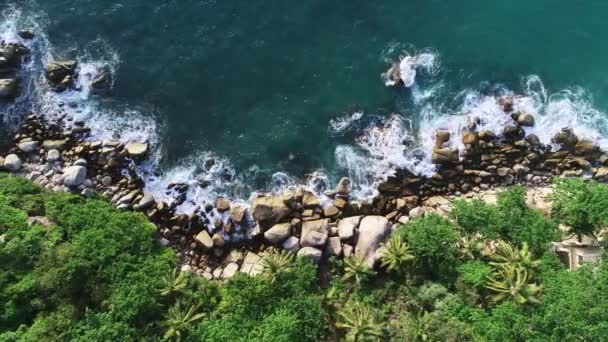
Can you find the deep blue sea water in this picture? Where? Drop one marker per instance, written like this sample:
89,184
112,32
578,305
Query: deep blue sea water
263,85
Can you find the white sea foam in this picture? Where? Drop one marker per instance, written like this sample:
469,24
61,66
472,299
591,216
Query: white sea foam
409,65
341,124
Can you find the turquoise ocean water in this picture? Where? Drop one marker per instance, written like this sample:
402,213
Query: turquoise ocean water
259,94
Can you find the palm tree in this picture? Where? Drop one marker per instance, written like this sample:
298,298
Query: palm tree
470,246
396,254
174,282
359,323
274,263
513,283
356,270
505,253
178,322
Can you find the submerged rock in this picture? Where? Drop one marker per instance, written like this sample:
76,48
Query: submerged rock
8,88
61,73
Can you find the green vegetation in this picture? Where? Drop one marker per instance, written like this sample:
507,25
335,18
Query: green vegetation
484,274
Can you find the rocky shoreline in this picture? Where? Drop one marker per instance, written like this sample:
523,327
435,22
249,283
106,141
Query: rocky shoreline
219,239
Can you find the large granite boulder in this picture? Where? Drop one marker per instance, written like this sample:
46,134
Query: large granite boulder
311,253
73,176
373,231
278,233
13,163
269,210
347,227
137,150
444,156
314,233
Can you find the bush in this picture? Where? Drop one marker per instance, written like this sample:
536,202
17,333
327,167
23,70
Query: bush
510,219
433,242
582,206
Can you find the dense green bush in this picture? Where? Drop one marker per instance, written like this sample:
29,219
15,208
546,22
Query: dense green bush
580,205
433,243
510,219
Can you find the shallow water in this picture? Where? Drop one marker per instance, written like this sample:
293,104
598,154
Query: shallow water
271,88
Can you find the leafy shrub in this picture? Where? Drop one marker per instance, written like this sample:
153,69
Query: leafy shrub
510,219
582,206
433,243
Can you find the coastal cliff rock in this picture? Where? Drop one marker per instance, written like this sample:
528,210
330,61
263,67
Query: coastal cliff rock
61,74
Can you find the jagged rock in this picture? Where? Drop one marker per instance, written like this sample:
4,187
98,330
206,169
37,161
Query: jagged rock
13,163
533,140
102,80
146,202
268,211
314,233
334,246
230,270
601,173
292,244
26,34
347,250
506,102
41,221
469,138
278,233
310,200
218,240
222,204
584,147
486,135
136,150
445,156
311,253
237,213
373,231
520,169
417,212
204,240
330,211
343,187
525,119
441,137
8,88
566,138
59,145
502,171
61,73
347,226
53,156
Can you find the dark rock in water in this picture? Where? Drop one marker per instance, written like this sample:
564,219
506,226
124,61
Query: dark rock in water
61,74
506,102
525,119
8,88
513,133
394,75
566,138
441,137
102,81
533,140
26,34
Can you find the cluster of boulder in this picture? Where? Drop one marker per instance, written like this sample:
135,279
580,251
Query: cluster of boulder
12,57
